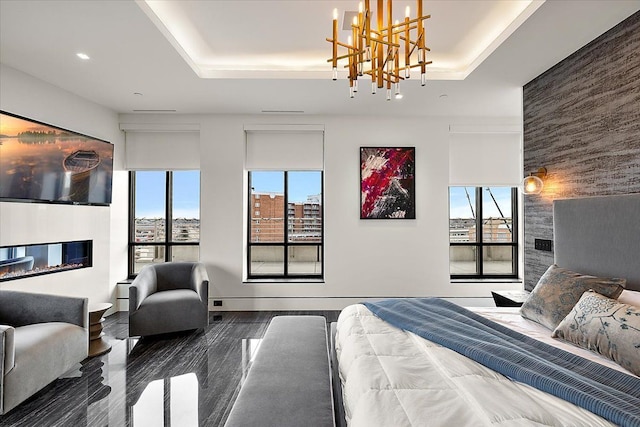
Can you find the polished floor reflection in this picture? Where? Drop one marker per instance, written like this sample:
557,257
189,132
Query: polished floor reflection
179,380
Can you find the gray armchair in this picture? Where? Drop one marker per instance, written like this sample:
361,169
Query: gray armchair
41,338
169,297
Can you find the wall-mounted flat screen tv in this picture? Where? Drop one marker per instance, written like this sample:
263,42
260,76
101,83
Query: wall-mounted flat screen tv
45,163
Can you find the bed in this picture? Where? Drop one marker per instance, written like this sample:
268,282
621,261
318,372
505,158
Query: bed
400,371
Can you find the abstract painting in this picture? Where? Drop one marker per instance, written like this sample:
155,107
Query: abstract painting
387,183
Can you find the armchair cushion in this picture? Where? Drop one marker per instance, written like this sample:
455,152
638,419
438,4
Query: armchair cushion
176,275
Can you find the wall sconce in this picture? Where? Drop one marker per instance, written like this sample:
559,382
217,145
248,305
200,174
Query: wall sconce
533,183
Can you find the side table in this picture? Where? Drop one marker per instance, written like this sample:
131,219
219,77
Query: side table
509,298
97,346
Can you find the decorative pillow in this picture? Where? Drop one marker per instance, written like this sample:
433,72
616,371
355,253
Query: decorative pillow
606,326
630,297
559,289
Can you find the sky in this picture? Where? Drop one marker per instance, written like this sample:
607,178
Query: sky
150,188
150,197
459,205
301,183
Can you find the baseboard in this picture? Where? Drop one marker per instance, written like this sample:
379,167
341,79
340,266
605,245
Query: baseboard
333,303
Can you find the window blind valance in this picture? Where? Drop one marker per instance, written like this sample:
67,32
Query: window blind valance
162,150
284,148
485,159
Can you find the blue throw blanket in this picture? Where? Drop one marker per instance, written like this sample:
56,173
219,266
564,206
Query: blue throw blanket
606,392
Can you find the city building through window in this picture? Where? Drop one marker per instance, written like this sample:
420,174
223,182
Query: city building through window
285,232
164,217
483,232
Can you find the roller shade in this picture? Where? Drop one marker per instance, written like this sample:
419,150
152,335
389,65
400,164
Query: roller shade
162,150
484,159
285,148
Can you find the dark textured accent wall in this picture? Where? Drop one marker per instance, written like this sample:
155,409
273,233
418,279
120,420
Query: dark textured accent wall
582,122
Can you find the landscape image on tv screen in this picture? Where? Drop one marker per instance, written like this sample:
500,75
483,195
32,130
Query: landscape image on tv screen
40,162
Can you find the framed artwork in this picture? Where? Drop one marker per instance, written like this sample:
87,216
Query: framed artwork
387,183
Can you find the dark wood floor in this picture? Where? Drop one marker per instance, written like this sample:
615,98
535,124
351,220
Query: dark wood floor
179,380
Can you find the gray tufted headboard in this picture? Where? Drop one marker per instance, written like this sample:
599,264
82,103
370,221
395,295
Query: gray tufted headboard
599,236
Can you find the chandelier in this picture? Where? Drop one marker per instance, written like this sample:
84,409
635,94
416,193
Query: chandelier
377,52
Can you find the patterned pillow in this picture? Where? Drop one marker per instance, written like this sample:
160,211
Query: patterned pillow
559,289
606,326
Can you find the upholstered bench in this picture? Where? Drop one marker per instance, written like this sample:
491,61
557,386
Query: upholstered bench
289,381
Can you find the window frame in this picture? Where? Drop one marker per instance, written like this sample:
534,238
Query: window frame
480,244
168,214
285,244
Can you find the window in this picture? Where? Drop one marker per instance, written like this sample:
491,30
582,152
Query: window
164,217
285,238
483,232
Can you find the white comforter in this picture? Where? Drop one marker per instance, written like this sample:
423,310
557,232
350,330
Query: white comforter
393,378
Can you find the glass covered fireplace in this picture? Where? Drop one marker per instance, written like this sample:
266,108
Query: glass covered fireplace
21,261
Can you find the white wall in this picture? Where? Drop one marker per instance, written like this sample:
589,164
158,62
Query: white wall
363,259
26,223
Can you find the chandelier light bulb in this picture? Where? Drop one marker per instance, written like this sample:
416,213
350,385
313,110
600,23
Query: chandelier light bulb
335,14
423,79
335,73
407,12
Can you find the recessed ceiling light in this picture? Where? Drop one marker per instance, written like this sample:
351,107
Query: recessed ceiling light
82,55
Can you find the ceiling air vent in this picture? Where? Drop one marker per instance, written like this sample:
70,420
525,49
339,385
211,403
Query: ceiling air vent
283,111
154,111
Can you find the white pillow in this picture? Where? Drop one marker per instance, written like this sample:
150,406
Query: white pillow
630,297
